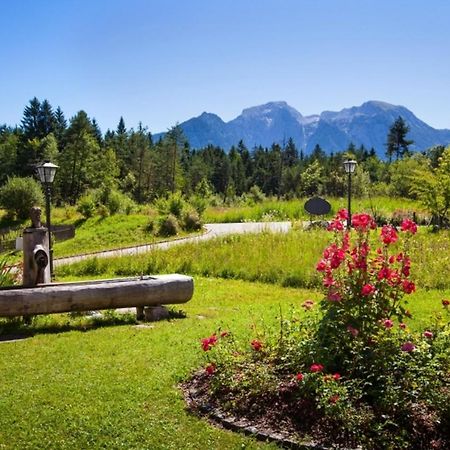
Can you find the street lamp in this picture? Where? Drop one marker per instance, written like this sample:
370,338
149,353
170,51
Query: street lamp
349,167
46,172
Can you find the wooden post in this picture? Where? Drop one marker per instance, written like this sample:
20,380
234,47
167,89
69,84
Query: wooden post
35,240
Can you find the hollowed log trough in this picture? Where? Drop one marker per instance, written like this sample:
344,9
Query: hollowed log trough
139,292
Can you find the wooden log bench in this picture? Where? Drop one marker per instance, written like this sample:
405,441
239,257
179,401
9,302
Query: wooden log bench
141,292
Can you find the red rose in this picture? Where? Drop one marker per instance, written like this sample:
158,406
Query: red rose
337,376
342,214
210,369
209,342
321,266
316,368
409,225
335,225
408,286
299,377
257,345
334,398
388,234
445,303
367,289
363,222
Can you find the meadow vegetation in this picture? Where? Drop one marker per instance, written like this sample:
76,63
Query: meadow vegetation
284,259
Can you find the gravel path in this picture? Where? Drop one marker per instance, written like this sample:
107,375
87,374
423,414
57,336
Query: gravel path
213,230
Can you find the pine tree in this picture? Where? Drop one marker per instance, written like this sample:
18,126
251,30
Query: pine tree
30,120
121,129
237,171
46,120
78,161
60,126
397,144
96,131
290,154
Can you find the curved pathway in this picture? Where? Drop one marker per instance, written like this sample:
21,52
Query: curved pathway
213,230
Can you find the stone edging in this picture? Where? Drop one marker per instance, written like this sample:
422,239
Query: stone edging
232,423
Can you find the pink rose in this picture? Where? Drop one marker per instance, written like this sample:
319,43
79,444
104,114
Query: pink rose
428,334
408,347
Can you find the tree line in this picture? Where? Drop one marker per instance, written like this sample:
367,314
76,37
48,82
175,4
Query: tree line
129,161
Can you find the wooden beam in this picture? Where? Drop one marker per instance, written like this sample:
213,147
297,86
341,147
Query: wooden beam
94,295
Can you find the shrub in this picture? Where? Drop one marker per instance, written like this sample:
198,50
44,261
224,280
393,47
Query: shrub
168,226
103,211
199,204
19,195
255,195
191,221
118,202
86,205
174,204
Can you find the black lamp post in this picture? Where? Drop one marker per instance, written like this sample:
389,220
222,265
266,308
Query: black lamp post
349,167
46,172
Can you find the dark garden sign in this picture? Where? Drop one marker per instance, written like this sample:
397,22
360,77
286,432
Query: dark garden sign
317,206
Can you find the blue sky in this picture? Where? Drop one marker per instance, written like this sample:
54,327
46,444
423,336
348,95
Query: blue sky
164,61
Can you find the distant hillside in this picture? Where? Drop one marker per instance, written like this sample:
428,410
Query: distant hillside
367,124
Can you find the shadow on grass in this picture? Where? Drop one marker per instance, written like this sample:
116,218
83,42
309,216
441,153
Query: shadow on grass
19,328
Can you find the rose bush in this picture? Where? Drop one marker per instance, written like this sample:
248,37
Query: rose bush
352,372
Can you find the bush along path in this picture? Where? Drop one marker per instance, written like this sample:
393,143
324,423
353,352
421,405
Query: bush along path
352,374
212,231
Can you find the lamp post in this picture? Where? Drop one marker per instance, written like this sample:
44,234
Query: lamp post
349,167
46,172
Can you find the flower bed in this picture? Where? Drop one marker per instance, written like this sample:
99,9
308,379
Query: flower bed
352,373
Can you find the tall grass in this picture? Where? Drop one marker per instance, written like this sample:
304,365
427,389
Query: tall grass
383,207
272,258
284,259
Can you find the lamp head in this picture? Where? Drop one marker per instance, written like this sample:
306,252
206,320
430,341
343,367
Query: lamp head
46,172
350,165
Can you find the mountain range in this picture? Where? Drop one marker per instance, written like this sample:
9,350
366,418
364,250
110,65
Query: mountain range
367,124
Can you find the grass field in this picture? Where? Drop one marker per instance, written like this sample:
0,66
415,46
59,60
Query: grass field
79,382
114,386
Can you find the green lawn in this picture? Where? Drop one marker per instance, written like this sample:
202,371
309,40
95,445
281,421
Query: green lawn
115,386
